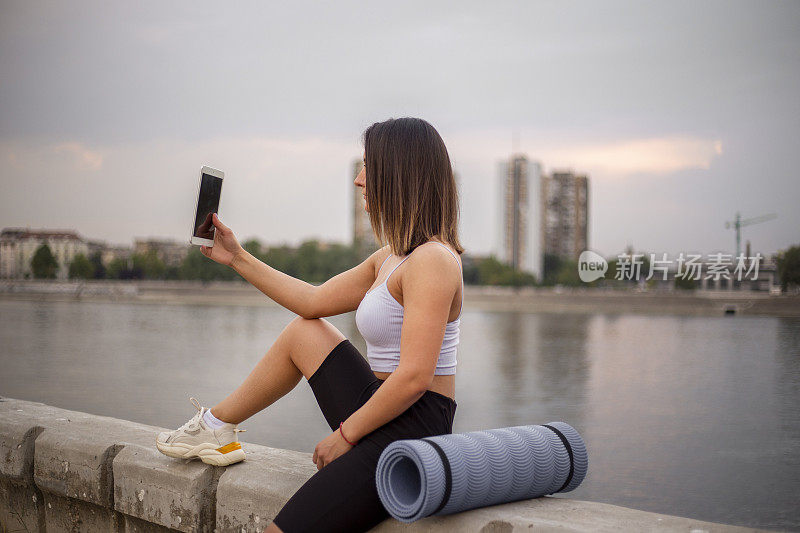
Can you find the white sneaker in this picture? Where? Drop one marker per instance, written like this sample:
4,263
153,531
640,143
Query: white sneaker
218,447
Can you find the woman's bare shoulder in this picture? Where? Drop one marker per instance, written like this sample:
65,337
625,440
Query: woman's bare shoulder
436,258
379,257
443,249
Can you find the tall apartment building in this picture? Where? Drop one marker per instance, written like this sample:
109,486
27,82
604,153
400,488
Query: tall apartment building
518,241
18,245
363,237
565,223
539,214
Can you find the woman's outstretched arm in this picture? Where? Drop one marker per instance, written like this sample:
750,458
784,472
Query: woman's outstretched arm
340,294
294,294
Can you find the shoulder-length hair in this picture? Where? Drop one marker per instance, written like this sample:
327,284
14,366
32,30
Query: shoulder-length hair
411,190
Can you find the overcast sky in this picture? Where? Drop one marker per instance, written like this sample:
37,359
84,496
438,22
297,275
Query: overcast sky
681,113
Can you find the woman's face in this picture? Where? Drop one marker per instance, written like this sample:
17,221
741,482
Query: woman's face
361,181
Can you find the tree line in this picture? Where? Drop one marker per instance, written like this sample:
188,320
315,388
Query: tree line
315,263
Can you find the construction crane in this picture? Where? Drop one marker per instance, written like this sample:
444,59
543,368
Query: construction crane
738,224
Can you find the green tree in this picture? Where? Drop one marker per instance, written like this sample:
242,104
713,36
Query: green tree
789,267
568,274
81,268
552,267
44,263
281,258
172,272
253,246
99,271
560,271
494,272
472,274
120,268
115,268
334,259
309,261
490,271
197,266
149,264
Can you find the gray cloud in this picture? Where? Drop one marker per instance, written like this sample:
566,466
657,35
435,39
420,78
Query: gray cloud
102,101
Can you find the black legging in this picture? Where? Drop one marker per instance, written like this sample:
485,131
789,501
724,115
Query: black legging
342,495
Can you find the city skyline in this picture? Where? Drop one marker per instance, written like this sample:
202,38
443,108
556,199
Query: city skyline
681,121
359,224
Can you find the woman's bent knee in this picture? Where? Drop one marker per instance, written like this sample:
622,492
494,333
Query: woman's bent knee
315,327
310,341
302,323
313,323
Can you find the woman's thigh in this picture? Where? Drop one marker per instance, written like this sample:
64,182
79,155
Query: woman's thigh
309,341
342,496
342,383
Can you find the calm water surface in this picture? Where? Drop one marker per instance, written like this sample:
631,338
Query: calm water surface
696,417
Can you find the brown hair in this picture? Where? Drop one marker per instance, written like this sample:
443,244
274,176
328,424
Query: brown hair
411,190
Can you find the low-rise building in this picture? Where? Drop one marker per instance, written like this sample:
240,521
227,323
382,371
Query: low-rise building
18,245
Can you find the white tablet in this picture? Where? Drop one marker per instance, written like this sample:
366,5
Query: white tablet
209,190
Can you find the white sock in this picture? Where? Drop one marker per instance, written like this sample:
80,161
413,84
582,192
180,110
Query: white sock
212,421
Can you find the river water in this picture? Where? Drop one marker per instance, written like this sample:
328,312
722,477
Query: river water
694,416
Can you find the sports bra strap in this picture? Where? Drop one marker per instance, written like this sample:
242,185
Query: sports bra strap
395,267
384,262
409,255
386,280
446,248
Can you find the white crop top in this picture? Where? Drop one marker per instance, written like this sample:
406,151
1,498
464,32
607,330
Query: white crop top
379,318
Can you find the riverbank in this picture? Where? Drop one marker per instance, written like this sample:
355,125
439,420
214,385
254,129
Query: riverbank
480,298
66,470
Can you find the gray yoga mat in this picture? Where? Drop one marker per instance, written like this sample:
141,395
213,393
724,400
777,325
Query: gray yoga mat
451,473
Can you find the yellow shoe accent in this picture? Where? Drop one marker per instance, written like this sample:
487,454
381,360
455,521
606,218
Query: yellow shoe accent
236,445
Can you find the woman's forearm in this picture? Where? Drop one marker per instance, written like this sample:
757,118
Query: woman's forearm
294,294
397,394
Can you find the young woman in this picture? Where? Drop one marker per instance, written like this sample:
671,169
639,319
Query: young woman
407,297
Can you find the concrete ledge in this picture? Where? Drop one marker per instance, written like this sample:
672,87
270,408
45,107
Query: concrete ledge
19,431
251,493
21,507
68,515
69,471
556,514
174,493
135,525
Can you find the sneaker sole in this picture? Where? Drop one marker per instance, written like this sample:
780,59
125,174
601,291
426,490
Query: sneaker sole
217,456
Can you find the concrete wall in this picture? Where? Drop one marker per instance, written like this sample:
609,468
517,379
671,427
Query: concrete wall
69,471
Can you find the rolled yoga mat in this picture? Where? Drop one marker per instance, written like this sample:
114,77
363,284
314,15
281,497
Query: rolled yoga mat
451,473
